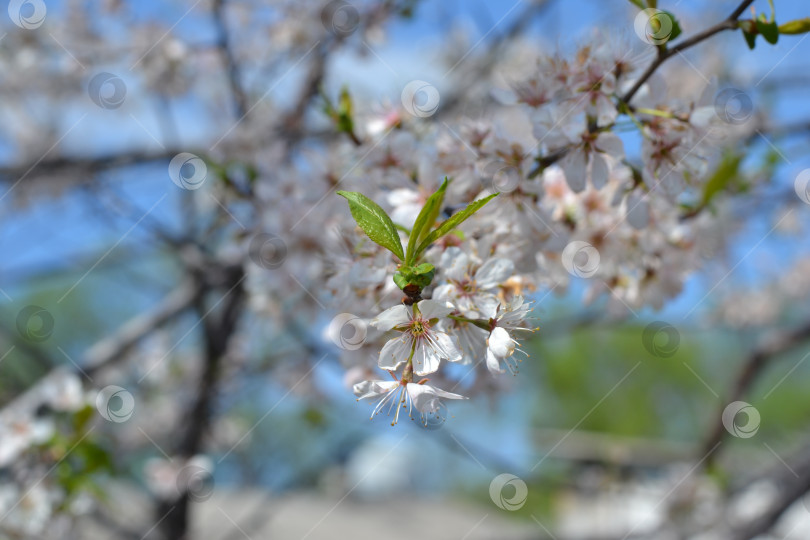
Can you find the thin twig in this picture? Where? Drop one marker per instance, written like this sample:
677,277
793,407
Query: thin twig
663,54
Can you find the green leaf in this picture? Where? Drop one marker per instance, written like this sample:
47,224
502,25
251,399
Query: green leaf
420,276
769,30
424,222
374,222
750,39
725,173
400,280
345,118
454,221
799,26
676,27
637,3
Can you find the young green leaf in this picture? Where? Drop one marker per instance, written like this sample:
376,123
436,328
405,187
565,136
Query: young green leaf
769,30
374,222
749,31
799,26
420,276
425,220
454,221
723,176
750,39
675,29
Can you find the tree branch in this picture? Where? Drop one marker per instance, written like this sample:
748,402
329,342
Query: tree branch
791,488
771,346
664,54
231,66
218,329
112,349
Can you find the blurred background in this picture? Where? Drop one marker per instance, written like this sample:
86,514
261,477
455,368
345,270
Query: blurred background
116,278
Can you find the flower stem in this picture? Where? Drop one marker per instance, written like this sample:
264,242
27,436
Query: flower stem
407,373
477,322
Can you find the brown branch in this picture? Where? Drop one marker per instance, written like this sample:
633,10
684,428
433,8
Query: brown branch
113,349
494,54
218,328
791,488
231,65
773,345
664,54
82,167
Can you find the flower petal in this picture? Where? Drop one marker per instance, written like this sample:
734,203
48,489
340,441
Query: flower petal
501,343
493,272
574,165
611,144
444,292
426,398
433,309
367,389
454,263
447,346
395,352
426,358
599,170
493,363
391,317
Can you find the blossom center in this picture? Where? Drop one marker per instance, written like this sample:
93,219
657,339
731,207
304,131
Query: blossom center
419,327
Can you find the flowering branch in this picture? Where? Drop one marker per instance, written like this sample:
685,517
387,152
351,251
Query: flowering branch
665,53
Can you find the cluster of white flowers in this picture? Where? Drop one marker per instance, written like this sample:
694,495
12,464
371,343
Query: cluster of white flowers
28,497
570,204
433,331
